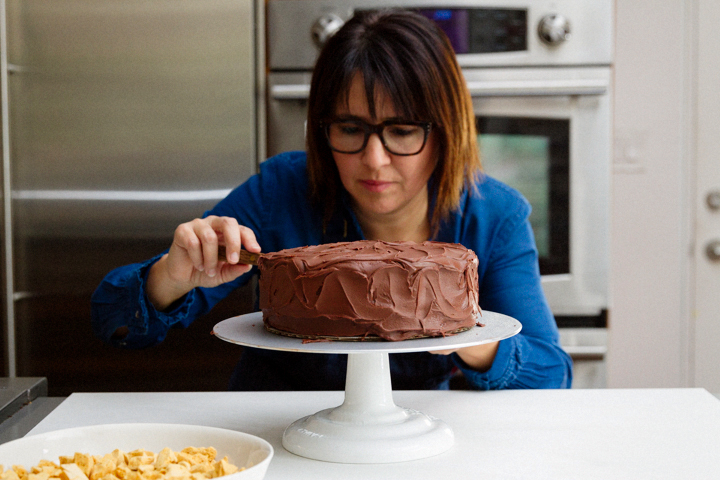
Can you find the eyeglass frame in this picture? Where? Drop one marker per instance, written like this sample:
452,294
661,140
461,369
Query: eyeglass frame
377,128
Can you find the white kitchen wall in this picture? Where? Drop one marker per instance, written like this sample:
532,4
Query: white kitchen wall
705,331
649,322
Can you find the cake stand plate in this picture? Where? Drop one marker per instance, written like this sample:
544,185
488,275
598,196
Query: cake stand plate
368,427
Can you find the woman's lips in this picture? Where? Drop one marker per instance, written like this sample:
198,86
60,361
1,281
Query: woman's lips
375,185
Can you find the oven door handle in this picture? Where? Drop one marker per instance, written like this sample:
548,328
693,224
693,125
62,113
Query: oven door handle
290,92
504,88
526,88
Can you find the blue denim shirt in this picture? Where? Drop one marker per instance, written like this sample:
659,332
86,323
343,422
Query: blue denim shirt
491,220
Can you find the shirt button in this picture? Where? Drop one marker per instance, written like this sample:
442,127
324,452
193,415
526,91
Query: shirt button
137,314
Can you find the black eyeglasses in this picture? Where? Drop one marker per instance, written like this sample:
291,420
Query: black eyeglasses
398,137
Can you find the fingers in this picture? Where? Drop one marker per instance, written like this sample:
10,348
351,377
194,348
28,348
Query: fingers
200,238
187,242
236,237
230,272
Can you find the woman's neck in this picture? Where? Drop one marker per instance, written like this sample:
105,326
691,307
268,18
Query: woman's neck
410,223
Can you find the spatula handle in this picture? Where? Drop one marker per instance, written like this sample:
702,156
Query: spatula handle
245,256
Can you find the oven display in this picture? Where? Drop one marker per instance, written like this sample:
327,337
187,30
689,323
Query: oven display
532,156
482,30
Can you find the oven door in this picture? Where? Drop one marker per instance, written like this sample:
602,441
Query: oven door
546,132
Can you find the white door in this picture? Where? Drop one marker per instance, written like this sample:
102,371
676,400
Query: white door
707,247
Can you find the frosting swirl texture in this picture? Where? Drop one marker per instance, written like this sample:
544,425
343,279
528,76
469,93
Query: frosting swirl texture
392,290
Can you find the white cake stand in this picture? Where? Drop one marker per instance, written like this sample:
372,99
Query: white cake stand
368,427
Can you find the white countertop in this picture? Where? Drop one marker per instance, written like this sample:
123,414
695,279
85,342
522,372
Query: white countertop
539,434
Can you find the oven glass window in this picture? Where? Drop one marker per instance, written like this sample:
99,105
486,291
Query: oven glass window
532,155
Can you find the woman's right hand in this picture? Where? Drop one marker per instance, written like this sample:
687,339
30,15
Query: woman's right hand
192,260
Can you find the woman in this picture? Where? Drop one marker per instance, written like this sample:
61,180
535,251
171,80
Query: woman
391,155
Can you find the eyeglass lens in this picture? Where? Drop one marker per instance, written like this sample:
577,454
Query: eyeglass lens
352,136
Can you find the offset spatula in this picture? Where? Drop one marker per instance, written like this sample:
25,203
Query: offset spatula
245,256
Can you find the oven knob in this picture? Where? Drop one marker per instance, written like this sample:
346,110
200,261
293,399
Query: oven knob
712,250
554,29
325,27
713,200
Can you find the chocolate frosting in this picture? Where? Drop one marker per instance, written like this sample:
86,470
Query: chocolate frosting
393,290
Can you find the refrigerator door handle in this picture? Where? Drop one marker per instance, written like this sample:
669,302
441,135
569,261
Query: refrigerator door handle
13,69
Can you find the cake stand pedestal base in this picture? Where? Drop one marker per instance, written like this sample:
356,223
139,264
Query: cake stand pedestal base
368,427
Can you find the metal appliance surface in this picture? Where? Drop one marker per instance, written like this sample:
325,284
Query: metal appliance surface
17,392
124,118
536,70
127,117
295,30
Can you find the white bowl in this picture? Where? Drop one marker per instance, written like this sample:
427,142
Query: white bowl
242,449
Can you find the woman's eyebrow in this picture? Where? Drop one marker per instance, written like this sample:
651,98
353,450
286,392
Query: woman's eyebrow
349,117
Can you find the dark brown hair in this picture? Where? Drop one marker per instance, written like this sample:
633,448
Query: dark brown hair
410,59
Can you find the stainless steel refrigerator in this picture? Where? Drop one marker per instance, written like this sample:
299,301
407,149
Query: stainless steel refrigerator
122,119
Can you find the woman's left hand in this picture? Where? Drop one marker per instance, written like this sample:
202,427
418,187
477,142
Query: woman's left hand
477,357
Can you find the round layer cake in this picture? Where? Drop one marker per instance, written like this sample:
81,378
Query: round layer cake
366,289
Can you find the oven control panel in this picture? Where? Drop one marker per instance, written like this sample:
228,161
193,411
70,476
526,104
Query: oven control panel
482,32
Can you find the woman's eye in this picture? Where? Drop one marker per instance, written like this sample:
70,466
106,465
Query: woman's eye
349,129
403,130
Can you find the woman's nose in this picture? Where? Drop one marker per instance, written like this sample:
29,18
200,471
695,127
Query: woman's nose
375,155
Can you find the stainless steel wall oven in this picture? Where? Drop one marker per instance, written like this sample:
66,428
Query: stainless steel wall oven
540,76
